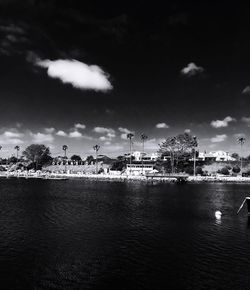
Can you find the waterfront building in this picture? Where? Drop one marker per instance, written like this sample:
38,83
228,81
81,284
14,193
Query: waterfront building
139,156
139,169
215,156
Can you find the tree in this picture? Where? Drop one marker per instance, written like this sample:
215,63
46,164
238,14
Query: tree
65,148
96,148
37,154
195,144
143,139
199,170
236,169
130,136
17,148
76,158
119,164
241,141
90,159
177,147
235,156
224,171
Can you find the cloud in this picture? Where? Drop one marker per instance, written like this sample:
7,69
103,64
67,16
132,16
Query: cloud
40,138
162,126
246,120
75,134
219,138
192,69
222,123
246,90
61,133
187,131
10,134
103,130
124,132
110,133
79,74
11,28
10,138
104,138
87,137
239,135
49,130
80,126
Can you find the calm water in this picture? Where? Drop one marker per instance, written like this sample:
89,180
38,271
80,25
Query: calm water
80,234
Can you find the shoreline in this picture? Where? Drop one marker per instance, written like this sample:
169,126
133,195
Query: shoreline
63,176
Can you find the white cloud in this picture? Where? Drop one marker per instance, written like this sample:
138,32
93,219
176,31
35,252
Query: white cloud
124,132
40,138
61,133
79,74
103,130
192,69
246,90
87,137
49,130
239,135
222,123
246,120
75,134
80,126
10,134
10,141
110,133
10,138
187,131
219,138
162,126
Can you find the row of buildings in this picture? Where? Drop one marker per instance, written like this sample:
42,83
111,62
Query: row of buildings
143,163
216,156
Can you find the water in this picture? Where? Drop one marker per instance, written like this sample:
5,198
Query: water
79,234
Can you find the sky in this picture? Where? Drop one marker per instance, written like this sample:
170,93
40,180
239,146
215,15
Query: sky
89,72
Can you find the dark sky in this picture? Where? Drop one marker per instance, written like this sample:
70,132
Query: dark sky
181,65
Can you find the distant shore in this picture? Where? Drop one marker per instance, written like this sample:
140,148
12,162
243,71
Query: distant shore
124,177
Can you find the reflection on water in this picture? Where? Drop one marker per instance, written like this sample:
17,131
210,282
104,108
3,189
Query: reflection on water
248,221
86,234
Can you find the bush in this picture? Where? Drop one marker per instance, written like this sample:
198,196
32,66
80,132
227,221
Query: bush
199,170
236,169
224,171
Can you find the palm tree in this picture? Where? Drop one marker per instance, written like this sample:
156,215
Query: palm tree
65,148
17,148
130,136
143,139
96,148
241,141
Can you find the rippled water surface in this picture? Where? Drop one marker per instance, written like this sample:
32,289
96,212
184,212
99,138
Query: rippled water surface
79,234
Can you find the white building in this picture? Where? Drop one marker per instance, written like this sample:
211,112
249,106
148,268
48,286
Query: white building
139,169
146,157
217,155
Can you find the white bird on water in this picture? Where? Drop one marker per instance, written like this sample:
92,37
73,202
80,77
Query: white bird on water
218,214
